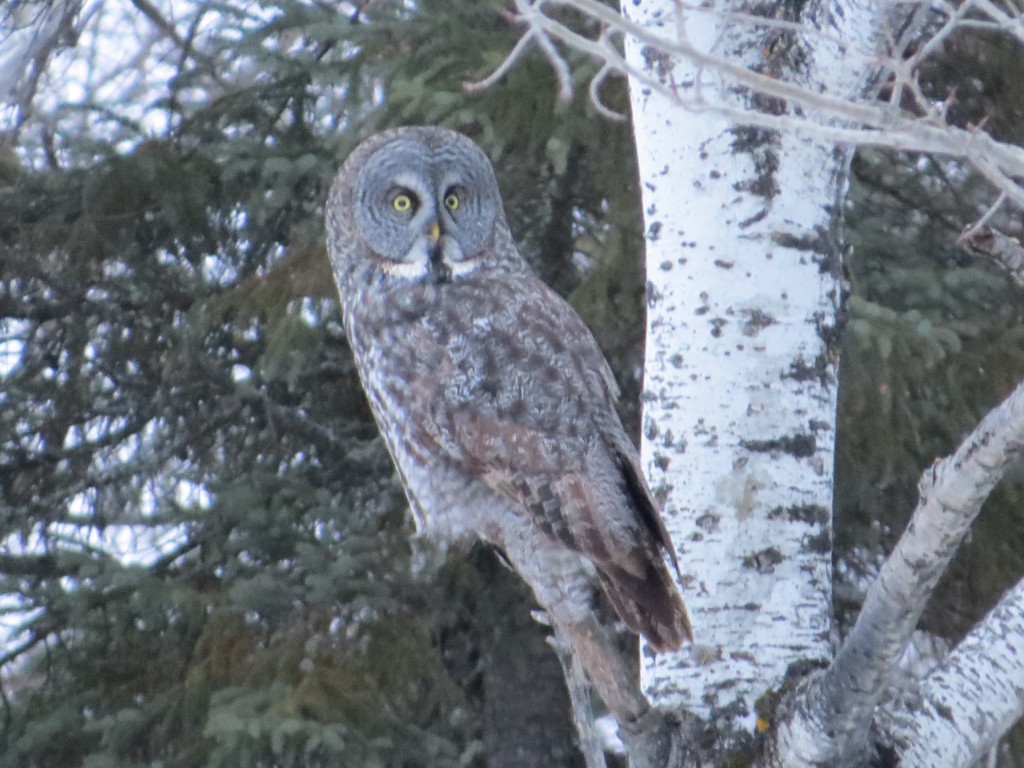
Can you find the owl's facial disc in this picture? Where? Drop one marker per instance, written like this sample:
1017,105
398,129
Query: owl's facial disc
426,212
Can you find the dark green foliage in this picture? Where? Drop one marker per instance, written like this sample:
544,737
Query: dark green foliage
935,339
182,377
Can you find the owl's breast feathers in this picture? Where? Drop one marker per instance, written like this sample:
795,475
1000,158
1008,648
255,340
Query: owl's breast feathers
507,383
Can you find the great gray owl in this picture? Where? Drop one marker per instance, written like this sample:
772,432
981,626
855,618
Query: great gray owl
492,395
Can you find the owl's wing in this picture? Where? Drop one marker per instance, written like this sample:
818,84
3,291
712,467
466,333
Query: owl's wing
592,498
543,431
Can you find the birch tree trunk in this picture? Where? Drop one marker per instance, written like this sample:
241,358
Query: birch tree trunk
744,255
743,118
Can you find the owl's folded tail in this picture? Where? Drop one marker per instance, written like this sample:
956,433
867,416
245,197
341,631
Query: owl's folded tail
650,606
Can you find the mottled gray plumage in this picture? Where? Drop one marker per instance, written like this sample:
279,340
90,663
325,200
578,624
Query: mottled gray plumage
494,399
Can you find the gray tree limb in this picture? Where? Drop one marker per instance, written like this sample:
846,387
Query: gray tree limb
961,709
830,723
579,696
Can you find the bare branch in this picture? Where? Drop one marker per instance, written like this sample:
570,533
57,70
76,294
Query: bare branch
970,700
150,11
579,695
34,31
954,19
503,69
839,118
14,651
840,703
562,71
977,226
44,566
595,95
1001,20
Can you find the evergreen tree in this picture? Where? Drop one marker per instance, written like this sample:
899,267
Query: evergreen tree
177,387
205,558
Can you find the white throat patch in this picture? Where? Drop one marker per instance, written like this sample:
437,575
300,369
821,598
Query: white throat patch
417,263
409,270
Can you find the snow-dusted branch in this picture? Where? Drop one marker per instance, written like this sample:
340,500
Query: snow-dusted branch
841,118
833,718
29,34
961,708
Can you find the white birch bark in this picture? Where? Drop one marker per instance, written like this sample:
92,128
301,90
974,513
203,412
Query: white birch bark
830,723
743,298
740,389
962,708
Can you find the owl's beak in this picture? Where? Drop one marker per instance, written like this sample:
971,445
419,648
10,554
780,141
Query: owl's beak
442,272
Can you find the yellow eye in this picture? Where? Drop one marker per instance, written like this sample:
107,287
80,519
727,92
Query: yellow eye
451,201
402,203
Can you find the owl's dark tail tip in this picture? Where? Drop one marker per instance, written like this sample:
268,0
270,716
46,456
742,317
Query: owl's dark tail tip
650,606
670,635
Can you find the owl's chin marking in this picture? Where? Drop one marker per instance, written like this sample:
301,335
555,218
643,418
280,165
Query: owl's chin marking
407,270
442,271
464,267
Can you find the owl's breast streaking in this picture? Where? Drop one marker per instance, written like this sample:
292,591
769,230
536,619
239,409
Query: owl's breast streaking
416,347
500,343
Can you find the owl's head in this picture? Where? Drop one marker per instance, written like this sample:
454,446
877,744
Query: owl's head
418,203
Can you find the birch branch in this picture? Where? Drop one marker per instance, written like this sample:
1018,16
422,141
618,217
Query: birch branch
840,118
961,709
831,721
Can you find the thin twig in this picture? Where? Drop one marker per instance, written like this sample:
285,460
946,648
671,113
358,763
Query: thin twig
1013,25
595,94
936,40
150,11
977,226
824,116
510,61
532,12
